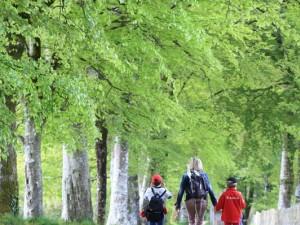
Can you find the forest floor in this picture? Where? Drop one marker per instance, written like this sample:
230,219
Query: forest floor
13,220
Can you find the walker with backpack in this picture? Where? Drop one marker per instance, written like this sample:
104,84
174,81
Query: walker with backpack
154,201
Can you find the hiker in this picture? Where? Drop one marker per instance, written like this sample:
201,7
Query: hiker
154,201
232,203
195,184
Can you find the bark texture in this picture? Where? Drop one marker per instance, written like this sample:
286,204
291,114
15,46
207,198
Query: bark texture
143,179
101,154
133,201
9,188
250,191
9,191
33,195
297,189
119,184
76,188
286,173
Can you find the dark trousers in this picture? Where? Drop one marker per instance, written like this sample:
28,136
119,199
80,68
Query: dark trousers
230,223
156,223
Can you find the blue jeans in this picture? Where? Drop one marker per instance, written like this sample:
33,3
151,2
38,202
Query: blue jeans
156,223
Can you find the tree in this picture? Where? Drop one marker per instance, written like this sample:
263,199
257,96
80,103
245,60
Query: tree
297,189
9,199
33,196
286,172
177,80
118,209
101,156
133,201
76,189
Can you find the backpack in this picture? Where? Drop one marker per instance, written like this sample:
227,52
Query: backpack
198,188
155,209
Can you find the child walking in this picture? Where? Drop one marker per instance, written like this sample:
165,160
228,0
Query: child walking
154,201
231,203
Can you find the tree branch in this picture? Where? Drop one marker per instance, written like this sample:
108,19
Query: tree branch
91,70
184,84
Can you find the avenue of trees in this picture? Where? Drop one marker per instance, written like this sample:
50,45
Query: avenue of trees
112,91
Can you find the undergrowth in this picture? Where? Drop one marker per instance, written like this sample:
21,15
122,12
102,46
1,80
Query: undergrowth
13,220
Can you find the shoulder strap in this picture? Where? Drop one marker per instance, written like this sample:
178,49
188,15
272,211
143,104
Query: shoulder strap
163,193
153,191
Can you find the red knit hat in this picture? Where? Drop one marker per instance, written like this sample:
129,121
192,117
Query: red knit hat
156,179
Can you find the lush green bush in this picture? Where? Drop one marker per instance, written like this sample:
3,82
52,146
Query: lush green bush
12,220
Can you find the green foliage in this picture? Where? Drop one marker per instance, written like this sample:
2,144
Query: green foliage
216,79
12,220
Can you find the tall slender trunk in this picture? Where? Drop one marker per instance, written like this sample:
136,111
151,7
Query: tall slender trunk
119,184
286,172
9,192
133,201
249,201
33,194
143,180
9,189
143,183
101,154
76,188
297,189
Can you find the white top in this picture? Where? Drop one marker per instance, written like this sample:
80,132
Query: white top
158,190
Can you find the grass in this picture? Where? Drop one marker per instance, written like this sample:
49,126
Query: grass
13,220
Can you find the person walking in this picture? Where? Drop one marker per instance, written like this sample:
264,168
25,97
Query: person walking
231,203
196,186
154,208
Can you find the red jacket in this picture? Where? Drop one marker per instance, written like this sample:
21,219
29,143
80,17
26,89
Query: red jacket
231,203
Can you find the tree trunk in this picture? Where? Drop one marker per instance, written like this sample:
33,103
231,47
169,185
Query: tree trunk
133,201
119,184
286,172
297,189
101,154
76,188
249,201
9,192
9,189
33,195
143,180
143,183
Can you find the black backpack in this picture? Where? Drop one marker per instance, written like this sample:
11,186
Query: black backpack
155,209
198,187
